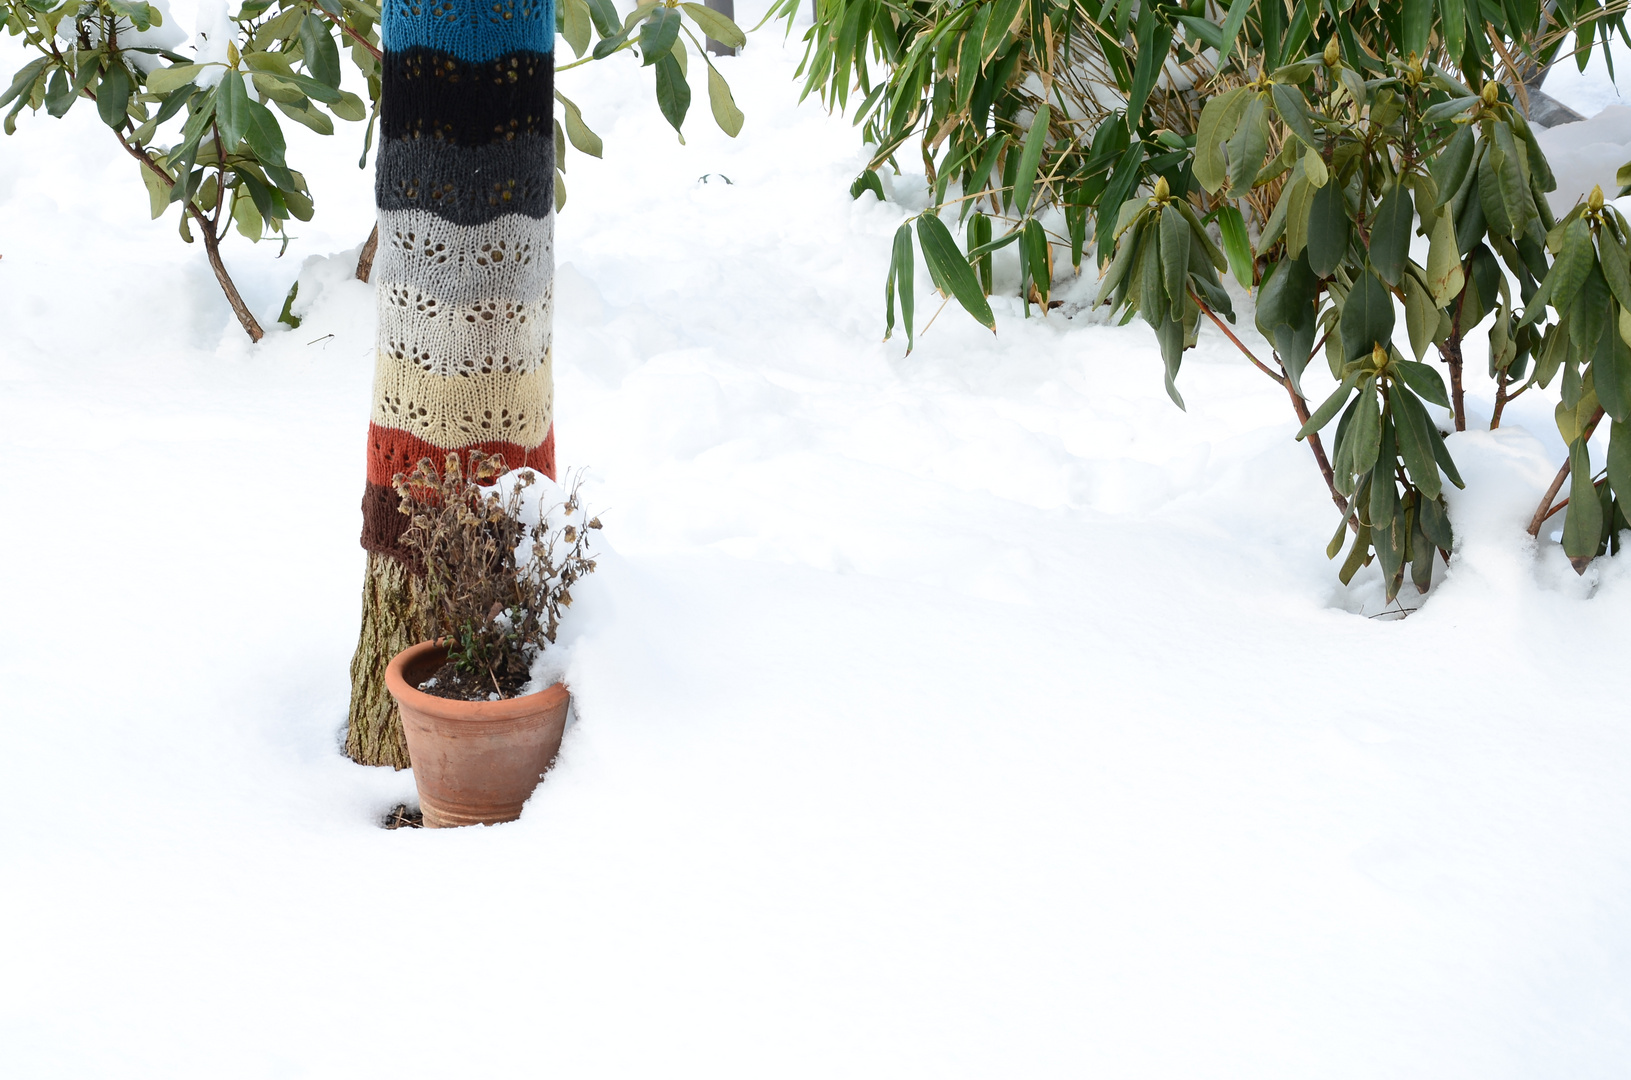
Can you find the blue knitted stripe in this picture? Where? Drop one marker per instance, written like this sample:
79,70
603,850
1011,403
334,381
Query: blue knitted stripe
472,30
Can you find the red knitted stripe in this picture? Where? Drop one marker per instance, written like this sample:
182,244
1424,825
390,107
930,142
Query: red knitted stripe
391,451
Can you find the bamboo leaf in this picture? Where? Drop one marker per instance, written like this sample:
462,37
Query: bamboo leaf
1038,259
1231,27
1418,20
1453,25
901,266
978,235
949,265
1030,155
1154,40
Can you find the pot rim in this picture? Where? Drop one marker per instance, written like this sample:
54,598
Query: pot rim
515,708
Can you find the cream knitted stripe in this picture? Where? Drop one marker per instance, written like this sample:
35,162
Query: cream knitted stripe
464,299
462,339
508,258
454,411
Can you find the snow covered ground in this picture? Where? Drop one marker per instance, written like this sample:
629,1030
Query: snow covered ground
974,713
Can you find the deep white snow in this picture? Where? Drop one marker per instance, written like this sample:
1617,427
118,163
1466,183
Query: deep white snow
969,714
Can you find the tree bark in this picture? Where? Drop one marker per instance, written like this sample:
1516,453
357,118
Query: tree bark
389,625
365,261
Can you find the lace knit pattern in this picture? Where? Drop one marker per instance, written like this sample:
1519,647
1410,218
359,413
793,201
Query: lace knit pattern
464,272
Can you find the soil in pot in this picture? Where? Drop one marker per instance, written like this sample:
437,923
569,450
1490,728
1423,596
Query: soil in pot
448,681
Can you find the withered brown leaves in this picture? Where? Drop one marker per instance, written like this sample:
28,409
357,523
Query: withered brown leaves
495,610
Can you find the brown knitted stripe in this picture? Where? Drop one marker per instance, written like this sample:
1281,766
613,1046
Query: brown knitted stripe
391,451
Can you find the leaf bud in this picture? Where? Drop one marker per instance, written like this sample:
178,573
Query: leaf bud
1162,192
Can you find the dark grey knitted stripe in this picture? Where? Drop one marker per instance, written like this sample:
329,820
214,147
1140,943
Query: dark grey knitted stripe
467,185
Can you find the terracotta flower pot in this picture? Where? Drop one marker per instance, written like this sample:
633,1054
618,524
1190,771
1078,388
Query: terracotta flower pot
475,762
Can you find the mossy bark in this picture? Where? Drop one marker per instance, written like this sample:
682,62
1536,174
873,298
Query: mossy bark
374,730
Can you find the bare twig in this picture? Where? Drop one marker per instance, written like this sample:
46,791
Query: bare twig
1545,509
212,243
352,34
1298,405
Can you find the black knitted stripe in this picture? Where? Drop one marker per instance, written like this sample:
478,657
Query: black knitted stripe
430,95
467,185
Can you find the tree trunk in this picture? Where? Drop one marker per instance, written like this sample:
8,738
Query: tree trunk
389,625
365,258
462,273
726,8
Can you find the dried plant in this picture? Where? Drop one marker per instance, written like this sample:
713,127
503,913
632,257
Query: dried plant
493,596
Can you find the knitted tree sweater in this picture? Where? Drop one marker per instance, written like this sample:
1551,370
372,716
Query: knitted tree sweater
464,272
